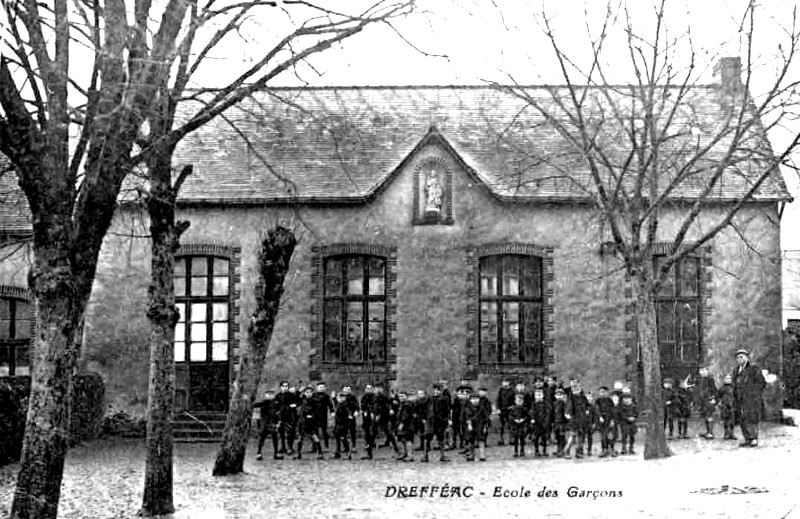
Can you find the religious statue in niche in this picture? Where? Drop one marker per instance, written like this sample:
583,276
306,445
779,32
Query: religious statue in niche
433,189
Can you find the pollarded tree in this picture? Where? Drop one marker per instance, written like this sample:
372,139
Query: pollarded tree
73,133
660,149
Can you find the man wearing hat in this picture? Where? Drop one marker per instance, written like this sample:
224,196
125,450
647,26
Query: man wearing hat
748,383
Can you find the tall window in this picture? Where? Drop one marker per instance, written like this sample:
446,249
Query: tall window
511,310
15,336
678,313
202,285
355,310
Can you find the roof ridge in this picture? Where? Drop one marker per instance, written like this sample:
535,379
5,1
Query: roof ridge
322,88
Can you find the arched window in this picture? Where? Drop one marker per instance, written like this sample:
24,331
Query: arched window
354,309
16,324
510,310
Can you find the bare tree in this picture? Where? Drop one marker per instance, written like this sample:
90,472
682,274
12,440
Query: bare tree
649,148
274,256
122,113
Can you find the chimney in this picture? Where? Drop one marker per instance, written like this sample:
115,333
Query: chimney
728,74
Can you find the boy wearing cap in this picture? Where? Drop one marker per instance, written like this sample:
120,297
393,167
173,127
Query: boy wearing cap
369,420
540,418
287,403
560,422
438,421
518,421
270,424
504,403
476,420
706,401
405,426
342,420
627,416
307,426
684,408
605,420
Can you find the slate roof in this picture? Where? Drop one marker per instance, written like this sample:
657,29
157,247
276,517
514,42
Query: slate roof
341,144
14,210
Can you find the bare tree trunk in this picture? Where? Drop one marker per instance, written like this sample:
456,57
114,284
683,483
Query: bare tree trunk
655,442
163,315
54,360
274,257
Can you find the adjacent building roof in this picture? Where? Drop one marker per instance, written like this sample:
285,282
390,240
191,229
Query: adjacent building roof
341,144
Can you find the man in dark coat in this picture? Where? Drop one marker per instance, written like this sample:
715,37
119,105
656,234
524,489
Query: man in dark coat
748,384
505,400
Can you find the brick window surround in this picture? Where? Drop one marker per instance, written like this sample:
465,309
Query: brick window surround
16,309
704,256
474,365
319,254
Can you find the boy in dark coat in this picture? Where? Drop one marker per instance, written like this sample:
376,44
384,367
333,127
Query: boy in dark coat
706,391
605,421
352,404
627,417
384,413
476,421
592,423
307,426
369,420
504,403
670,407
540,418
405,426
342,421
560,421
323,407
578,415
519,419
287,401
438,421
270,424
459,404
421,404
726,407
684,409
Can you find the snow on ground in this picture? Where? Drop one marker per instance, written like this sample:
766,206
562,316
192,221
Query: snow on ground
703,479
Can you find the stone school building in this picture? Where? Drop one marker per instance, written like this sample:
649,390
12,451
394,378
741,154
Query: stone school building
436,241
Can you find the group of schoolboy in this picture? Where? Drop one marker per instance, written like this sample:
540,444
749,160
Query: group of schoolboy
706,397
549,411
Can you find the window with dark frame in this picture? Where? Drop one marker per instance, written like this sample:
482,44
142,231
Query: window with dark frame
354,310
202,295
15,337
511,304
678,312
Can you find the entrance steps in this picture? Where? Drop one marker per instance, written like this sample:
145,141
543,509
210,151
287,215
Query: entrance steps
198,426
